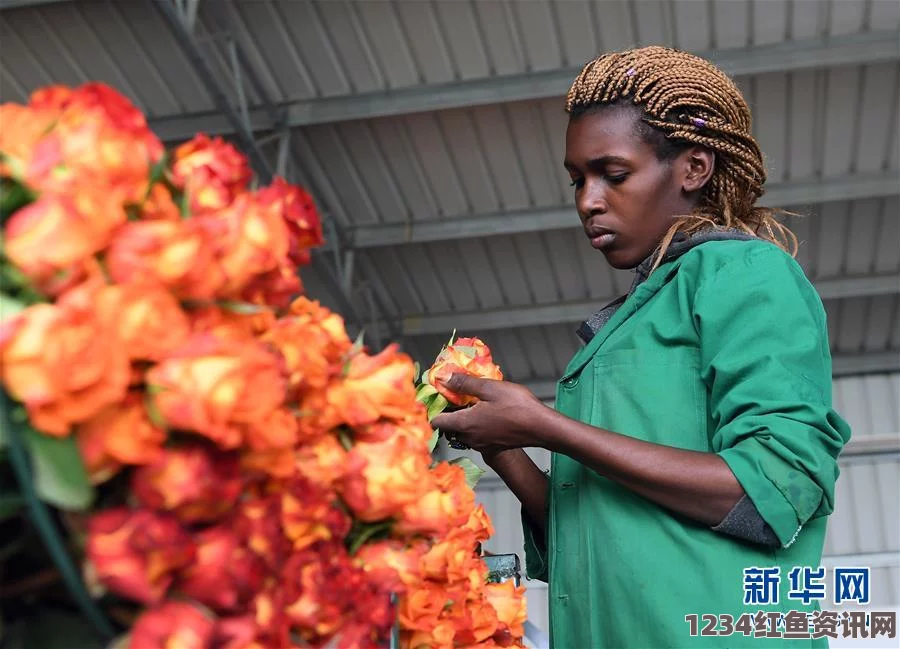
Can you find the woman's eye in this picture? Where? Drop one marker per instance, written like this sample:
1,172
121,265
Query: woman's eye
617,178
577,182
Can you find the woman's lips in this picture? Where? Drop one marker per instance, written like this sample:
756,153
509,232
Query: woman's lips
603,239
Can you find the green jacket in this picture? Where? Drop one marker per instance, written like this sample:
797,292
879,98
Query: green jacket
722,350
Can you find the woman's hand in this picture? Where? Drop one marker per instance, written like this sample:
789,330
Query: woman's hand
503,418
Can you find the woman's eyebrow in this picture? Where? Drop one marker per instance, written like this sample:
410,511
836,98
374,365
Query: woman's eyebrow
598,162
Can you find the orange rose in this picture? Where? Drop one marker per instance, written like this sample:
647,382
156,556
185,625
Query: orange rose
309,515
420,610
149,320
392,563
376,387
274,289
466,356
416,429
225,575
277,430
136,553
119,434
99,134
447,503
215,387
480,524
297,209
322,462
195,483
258,524
59,233
63,364
250,241
211,171
159,205
453,559
383,477
474,621
225,324
172,625
176,254
238,633
23,128
508,601
313,341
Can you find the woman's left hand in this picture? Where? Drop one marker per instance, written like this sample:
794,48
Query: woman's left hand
503,418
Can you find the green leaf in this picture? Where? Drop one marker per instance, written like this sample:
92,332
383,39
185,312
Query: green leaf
466,349
153,412
10,505
13,196
242,308
370,531
424,392
416,369
59,475
9,307
473,471
345,439
452,337
437,406
432,442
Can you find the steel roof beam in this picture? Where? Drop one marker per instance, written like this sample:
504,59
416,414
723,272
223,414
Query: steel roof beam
572,312
557,218
853,49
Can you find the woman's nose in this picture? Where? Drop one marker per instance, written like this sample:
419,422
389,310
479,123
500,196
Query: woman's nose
592,200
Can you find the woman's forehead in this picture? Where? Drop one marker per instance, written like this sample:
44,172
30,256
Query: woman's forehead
604,133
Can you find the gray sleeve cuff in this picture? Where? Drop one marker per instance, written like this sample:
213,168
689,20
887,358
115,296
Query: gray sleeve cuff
745,522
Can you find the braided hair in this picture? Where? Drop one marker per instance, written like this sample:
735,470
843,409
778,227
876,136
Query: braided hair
684,101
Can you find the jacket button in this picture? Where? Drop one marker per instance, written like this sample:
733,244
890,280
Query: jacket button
570,382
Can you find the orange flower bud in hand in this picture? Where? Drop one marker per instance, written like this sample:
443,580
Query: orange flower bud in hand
466,356
136,553
195,483
211,171
173,624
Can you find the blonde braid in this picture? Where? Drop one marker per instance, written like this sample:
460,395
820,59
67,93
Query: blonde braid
690,100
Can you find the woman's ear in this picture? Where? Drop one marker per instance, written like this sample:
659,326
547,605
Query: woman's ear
698,164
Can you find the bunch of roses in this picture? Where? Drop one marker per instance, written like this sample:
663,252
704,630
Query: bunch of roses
279,488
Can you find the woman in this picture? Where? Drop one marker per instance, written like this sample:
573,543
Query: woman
694,436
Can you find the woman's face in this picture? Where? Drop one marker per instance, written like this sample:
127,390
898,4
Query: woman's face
626,197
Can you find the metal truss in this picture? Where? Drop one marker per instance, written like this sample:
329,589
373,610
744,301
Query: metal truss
348,277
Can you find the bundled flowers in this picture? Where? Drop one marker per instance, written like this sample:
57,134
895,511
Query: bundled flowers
266,482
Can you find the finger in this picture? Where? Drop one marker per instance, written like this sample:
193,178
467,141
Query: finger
471,385
452,422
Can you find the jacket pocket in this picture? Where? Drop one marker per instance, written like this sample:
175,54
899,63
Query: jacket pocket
657,396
